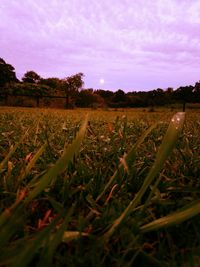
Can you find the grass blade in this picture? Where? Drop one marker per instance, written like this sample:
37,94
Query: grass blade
172,219
54,240
168,143
32,246
72,235
129,159
12,151
68,155
32,162
10,220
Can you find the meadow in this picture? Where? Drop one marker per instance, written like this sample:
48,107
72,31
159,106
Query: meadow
99,187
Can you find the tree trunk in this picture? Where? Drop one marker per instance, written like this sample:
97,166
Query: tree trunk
6,99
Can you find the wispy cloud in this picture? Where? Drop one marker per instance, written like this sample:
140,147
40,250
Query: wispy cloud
131,44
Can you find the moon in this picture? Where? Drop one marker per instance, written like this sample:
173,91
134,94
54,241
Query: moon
101,81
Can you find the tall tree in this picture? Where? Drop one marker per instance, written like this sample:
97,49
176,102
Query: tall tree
71,86
31,77
7,73
184,94
169,95
119,99
197,92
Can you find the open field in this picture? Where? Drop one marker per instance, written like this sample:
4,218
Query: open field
83,191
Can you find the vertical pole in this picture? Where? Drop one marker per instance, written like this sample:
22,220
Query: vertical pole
184,104
37,101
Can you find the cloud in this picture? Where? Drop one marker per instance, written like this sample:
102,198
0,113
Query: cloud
113,39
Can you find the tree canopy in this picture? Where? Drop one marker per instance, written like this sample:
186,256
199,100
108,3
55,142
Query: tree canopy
7,73
31,77
71,85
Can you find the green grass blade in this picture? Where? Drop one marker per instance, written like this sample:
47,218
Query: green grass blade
32,162
54,240
12,151
168,143
58,207
172,219
32,246
10,220
129,159
68,155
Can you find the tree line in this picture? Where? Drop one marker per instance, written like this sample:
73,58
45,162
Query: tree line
70,91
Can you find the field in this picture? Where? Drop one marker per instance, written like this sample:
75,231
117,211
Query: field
99,187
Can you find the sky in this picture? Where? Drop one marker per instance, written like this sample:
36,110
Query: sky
118,44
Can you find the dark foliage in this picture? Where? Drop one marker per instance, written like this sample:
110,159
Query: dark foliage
7,73
71,89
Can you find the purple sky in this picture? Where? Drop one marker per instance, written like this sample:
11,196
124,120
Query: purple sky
131,44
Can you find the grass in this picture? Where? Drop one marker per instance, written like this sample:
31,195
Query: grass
118,188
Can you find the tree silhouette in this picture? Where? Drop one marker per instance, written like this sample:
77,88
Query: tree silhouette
197,92
184,94
31,77
71,85
7,73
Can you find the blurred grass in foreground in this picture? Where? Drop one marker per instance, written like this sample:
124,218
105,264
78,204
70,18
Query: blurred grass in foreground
128,180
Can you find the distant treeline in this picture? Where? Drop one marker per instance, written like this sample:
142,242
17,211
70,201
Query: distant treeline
34,90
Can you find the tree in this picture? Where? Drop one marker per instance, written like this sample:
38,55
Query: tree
135,100
88,98
169,94
51,82
184,94
119,96
31,90
106,95
85,98
160,97
31,77
197,92
71,86
7,73
119,99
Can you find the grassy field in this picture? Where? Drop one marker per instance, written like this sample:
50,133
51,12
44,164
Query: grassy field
99,187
